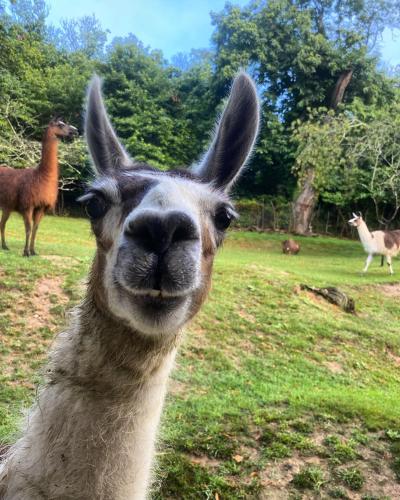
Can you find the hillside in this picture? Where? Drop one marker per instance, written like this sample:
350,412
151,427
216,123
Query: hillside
277,393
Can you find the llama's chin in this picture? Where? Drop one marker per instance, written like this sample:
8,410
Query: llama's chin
150,313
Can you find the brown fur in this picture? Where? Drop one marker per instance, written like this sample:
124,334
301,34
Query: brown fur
32,191
290,247
392,238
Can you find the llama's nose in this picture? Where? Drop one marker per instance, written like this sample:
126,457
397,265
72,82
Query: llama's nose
156,232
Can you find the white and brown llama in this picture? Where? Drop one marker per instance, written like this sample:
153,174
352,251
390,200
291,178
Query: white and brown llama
91,434
385,243
32,191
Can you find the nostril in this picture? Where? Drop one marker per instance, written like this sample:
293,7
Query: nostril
184,229
180,234
147,233
141,233
156,233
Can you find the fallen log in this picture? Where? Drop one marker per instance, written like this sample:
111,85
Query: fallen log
334,296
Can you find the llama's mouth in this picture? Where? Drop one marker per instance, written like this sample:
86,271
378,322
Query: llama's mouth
156,307
154,301
158,303
157,294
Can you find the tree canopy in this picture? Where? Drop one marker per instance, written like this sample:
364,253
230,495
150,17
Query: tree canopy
299,52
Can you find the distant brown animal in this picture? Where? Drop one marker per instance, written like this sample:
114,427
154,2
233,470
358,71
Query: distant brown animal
290,247
32,191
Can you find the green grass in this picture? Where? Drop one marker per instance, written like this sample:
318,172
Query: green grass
274,388
310,477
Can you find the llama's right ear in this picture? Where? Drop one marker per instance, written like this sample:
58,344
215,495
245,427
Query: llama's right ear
235,135
105,149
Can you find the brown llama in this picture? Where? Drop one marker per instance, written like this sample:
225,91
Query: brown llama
32,191
91,433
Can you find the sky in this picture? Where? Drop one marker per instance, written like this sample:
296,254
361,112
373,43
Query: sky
170,25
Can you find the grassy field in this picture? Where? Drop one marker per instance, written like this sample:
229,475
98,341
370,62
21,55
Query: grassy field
277,394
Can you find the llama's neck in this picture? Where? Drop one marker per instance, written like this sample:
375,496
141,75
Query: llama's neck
365,236
92,434
48,166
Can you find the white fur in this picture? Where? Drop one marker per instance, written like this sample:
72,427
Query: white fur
69,423
373,243
170,193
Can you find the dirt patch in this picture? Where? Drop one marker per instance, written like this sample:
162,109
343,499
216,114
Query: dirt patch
36,311
392,290
30,321
334,367
175,387
247,316
374,465
277,477
380,481
247,453
203,460
65,262
393,357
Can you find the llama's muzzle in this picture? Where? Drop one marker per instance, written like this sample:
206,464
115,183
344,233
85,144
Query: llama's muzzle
160,254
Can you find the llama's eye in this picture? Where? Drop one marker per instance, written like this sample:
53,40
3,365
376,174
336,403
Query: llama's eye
223,218
96,207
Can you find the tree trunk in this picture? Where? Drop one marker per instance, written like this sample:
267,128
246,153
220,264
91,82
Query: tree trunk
303,207
340,87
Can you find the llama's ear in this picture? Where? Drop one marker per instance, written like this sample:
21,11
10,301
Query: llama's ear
106,151
234,137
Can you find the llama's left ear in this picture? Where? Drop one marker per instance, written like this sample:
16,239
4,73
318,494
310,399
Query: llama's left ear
105,149
235,135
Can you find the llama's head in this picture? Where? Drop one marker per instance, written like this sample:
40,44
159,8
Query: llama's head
356,220
62,129
157,231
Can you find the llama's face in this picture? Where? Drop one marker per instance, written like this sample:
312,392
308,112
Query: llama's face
355,221
157,232
61,129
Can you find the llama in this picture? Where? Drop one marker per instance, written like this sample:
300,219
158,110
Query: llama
32,191
385,243
92,431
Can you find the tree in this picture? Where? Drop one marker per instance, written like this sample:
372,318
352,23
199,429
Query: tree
377,155
185,61
354,156
129,39
38,82
144,105
30,14
84,34
305,54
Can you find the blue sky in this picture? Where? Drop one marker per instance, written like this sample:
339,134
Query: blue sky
170,25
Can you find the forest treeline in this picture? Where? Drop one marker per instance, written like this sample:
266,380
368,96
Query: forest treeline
330,137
